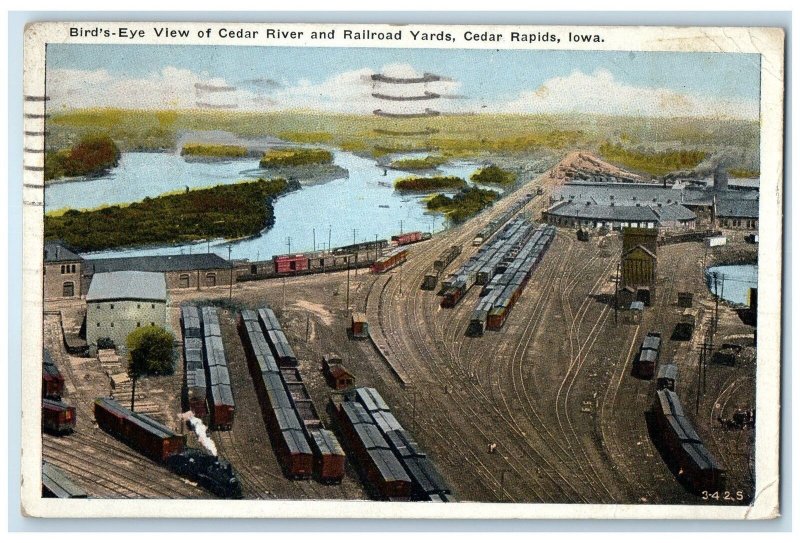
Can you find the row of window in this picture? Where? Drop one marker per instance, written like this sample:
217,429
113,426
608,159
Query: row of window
138,306
184,280
747,223
68,268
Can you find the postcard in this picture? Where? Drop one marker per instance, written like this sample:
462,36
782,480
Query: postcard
401,271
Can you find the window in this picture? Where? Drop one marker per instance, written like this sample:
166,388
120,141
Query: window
253,269
152,306
211,279
69,289
184,280
152,324
111,306
138,306
112,325
72,268
98,325
138,324
62,268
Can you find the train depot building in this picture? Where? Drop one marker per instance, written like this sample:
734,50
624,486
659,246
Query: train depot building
63,272
120,302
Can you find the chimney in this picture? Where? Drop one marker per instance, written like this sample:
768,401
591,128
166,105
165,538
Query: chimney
720,179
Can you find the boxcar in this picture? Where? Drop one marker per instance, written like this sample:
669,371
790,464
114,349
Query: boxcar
359,325
389,261
140,432
329,457
667,376
291,444
684,330
290,263
55,484
57,417
429,281
408,237
52,380
446,257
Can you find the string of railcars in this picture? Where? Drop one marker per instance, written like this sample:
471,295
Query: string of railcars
281,350
444,259
495,224
694,463
195,389
303,446
58,418
392,259
221,403
391,462
159,443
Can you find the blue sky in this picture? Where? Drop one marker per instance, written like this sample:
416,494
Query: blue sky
505,80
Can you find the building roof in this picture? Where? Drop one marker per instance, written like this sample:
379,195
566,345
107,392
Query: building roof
55,251
165,263
674,212
747,209
128,285
622,213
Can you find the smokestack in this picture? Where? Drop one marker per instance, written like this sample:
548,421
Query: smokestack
200,429
720,179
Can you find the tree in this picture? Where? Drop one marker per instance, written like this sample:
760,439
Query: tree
150,349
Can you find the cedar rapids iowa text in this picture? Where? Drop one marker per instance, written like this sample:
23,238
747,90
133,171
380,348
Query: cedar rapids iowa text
347,34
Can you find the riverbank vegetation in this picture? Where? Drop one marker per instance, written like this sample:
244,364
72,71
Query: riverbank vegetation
429,162
93,155
493,175
224,211
465,204
207,150
421,184
743,173
283,158
651,162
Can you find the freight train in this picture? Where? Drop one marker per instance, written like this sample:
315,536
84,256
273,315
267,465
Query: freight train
676,436
221,403
495,224
52,380
159,443
195,388
58,418
410,237
392,464
303,447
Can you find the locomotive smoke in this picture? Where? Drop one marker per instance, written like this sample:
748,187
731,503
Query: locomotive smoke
200,429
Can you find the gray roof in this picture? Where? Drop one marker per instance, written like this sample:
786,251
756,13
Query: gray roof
57,252
737,208
625,213
674,212
166,263
128,285
644,193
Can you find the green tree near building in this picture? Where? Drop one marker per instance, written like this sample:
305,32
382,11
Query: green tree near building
150,349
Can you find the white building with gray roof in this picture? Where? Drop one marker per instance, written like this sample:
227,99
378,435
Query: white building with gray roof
120,302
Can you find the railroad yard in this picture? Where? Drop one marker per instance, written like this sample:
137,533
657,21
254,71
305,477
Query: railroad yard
546,409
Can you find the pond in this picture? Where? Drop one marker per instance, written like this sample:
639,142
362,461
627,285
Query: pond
733,282
360,207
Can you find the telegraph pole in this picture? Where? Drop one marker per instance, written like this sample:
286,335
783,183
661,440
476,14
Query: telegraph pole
355,249
329,237
376,247
616,295
348,283
230,281
401,227
289,244
716,302
314,237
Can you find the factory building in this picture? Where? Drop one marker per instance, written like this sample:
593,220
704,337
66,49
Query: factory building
614,216
737,214
118,303
62,271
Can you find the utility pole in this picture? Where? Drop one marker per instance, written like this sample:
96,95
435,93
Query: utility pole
284,292
716,302
329,237
355,249
347,306
376,247
616,294
306,327
401,227
314,237
289,244
230,279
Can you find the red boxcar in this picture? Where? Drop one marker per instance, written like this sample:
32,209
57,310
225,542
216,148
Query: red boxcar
329,457
140,432
409,237
290,263
57,417
52,380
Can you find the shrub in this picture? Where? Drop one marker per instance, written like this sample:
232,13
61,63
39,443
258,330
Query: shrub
150,349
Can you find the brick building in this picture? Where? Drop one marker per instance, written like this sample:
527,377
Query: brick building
63,270
197,271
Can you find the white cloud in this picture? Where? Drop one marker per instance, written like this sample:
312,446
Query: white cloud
600,93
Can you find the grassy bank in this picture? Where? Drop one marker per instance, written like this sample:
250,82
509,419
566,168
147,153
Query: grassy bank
465,204
429,183
224,211
282,158
493,175
653,163
205,150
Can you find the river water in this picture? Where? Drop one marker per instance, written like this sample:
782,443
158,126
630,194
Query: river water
733,282
365,202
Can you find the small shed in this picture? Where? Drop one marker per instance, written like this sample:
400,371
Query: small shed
338,377
635,312
359,325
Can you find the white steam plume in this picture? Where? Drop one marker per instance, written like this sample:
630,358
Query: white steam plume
200,429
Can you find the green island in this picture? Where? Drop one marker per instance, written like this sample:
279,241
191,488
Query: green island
282,158
428,163
653,163
224,211
421,184
210,150
494,175
465,204
93,155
